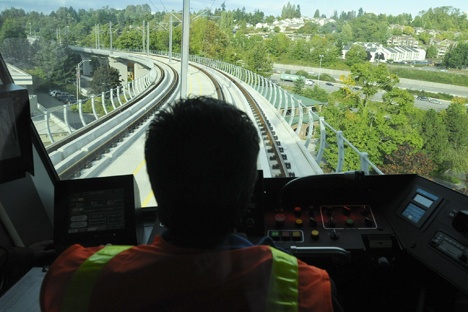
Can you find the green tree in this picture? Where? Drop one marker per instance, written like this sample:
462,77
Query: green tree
104,79
346,34
12,28
373,78
131,38
456,121
356,54
256,57
457,57
52,64
299,85
431,52
316,93
206,39
435,137
278,44
370,28
290,11
226,22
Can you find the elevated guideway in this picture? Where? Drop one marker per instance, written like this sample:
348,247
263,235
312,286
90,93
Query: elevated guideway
90,151
131,159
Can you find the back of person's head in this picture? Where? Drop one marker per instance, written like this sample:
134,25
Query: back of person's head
201,157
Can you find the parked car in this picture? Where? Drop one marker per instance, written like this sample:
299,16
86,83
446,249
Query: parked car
62,96
422,98
70,99
434,101
59,94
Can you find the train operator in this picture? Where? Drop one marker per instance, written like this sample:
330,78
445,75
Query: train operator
201,157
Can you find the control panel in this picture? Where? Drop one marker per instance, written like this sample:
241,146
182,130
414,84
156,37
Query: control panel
431,223
372,215
345,226
331,215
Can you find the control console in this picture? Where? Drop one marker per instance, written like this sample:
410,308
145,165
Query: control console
376,215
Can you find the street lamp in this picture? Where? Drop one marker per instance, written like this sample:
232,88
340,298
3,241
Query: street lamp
318,81
78,79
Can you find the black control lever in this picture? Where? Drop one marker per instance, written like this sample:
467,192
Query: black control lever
322,252
460,221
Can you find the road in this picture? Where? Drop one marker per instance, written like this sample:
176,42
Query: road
404,83
425,105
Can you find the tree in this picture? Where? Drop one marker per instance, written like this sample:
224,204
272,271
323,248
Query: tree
298,85
356,54
206,39
104,79
316,93
435,136
131,38
373,78
457,57
456,121
290,11
256,57
317,13
12,28
52,66
431,52
370,28
407,159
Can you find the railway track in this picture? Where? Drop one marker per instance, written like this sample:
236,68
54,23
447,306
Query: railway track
278,162
87,159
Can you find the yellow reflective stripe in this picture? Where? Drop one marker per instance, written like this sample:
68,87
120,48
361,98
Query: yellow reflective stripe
283,288
80,287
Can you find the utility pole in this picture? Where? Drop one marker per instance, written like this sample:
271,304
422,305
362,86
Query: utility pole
185,49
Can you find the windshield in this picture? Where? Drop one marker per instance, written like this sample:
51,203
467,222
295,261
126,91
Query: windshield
362,85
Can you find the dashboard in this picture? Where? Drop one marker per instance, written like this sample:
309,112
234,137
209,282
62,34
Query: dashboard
388,236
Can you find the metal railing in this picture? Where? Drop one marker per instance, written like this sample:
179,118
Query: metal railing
56,123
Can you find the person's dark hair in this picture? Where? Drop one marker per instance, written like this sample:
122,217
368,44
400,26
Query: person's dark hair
201,157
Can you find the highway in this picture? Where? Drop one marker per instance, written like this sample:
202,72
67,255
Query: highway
425,105
404,84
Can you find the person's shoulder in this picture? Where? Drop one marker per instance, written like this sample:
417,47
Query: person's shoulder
77,252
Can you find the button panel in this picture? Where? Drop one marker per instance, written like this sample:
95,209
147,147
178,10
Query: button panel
450,247
286,235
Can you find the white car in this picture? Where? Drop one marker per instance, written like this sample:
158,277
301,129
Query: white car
309,82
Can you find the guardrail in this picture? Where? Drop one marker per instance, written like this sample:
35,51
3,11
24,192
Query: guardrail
56,124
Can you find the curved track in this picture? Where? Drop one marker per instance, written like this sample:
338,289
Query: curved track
74,170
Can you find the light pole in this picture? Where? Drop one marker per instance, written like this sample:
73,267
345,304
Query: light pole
78,79
318,81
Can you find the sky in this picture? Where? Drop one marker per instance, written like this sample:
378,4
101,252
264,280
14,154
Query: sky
269,7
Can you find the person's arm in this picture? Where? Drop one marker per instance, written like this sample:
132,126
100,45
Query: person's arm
17,261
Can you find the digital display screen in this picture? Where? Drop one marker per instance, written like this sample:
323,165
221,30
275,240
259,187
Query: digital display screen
426,202
96,211
413,213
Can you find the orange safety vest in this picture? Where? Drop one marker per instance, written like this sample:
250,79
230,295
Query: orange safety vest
282,293
71,282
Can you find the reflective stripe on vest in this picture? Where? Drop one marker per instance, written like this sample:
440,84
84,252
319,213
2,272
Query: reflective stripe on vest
80,287
283,288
